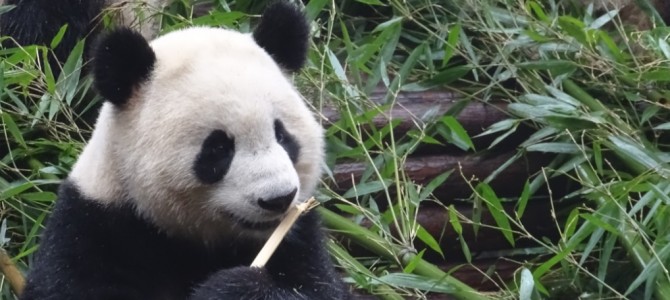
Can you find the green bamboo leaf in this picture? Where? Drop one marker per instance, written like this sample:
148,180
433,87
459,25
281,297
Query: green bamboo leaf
13,129
538,11
428,239
371,2
546,266
571,223
574,28
658,75
48,74
6,8
665,48
535,99
457,133
569,148
451,44
560,95
453,220
411,265
433,184
403,73
571,122
15,189
417,282
500,126
606,255
39,197
314,8
390,23
633,152
367,188
523,200
609,48
664,126
529,111
348,209
555,66
600,223
58,37
604,19
68,80
497,211
443,78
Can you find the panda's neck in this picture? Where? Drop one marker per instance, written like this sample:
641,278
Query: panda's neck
94,173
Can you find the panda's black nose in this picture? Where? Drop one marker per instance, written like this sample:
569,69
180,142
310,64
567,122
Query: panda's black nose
278,204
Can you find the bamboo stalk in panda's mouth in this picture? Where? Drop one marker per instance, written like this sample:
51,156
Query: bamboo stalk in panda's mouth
280,232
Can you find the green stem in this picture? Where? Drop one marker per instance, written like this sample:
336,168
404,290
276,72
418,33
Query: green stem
631,241
37,165
582,96
629,236
381,247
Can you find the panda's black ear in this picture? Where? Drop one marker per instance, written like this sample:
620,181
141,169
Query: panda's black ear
122,60
283,32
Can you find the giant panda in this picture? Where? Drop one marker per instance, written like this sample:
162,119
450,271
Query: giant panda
199,149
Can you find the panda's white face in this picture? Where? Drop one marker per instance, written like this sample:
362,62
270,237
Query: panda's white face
216,140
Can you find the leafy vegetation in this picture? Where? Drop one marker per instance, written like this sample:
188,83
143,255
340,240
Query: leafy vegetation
592,88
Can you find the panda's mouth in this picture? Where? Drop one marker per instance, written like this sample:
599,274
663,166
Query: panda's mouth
253,225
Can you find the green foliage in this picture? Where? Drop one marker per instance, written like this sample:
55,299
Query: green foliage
593,89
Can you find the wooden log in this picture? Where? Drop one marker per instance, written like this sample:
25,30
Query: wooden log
412,108
423,169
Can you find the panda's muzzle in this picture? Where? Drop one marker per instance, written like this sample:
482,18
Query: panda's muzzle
277,204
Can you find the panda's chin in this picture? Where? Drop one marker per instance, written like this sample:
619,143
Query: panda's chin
253,225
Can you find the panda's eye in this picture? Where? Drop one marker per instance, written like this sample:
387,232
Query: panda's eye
280,136
215,156
287,141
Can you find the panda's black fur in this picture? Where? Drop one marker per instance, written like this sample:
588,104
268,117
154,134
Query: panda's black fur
111,249
38,21
92,252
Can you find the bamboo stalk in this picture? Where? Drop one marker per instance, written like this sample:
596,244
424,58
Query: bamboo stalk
280,232
16,280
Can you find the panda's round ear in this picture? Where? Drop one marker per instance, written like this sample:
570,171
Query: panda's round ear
122,60
284,32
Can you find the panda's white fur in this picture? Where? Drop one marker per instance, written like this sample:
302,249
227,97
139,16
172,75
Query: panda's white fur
200,82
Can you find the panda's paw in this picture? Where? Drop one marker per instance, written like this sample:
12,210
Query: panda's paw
239,283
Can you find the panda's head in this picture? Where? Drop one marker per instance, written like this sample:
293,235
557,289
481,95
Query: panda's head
202,130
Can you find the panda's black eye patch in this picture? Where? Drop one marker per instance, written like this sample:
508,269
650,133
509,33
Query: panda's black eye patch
213,161
287,141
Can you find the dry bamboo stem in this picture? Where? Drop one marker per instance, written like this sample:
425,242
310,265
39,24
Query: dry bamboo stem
16,280
278,235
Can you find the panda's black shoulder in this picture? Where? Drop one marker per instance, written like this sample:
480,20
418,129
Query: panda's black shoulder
38,22
83,237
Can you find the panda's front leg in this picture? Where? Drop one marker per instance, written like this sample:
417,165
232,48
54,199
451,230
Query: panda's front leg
300,269
241,283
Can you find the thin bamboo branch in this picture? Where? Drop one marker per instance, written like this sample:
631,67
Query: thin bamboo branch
393,252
